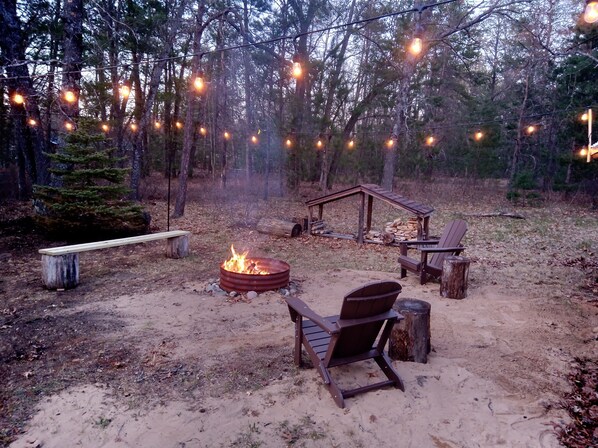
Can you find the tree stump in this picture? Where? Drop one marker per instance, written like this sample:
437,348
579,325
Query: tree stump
455,272
60,271
177,247
410,337
278,227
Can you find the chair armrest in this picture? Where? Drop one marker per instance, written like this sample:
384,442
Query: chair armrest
442,249
417,242
389,315
299,307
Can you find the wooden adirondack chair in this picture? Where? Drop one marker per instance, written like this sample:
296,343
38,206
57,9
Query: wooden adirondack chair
366,313
448,244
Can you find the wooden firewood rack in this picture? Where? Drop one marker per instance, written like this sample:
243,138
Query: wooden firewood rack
368,192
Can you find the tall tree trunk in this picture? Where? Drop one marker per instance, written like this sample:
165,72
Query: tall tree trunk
72,18
13,42
173,26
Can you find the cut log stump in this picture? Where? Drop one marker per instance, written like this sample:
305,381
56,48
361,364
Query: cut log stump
410,337
455,273
60,271
177,247
279,227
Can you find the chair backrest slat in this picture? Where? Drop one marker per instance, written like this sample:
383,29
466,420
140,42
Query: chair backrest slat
451,237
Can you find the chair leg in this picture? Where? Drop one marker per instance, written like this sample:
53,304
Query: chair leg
403,272
390,373
298,341
422,276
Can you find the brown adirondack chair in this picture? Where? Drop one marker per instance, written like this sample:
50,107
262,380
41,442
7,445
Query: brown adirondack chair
448,244
359,333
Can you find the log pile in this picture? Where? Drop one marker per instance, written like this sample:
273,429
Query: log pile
318,227
402,230
397,230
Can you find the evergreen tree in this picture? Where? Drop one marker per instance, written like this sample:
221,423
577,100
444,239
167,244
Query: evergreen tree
90,201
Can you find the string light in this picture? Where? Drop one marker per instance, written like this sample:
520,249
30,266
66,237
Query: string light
288,143
198,82
157,125
179,125
226,135
390,143
124,91
319,143
69,96
18,99
530,129
297,70
351,144
133,127
32,122
416,46
203,131
105,127
583,152
590,14
430,140
584,116
478,136
69,126
254,139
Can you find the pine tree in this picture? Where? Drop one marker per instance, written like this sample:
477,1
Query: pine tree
90,202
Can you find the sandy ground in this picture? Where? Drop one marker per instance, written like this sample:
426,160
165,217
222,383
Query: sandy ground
222,372
471,393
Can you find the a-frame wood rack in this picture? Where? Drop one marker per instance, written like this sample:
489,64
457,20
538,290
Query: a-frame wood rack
368,192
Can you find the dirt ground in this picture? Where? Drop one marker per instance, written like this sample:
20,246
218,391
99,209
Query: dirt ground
141,353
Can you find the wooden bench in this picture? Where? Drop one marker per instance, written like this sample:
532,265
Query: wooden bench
60,265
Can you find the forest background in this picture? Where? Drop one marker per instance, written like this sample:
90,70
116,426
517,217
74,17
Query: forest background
496,92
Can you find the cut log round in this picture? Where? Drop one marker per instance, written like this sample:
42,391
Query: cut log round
410,337
177,247
273,226
60,271
455,273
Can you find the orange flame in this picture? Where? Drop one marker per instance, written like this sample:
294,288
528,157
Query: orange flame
241,264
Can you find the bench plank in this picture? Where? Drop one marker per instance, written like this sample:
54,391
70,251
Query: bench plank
76,248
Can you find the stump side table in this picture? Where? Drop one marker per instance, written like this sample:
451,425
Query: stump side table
410,337
455,275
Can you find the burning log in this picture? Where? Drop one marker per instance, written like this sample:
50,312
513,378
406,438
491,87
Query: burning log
242,274
278,227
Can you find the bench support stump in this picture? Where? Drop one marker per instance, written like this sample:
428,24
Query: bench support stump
410,337
60,271
455,273
177,247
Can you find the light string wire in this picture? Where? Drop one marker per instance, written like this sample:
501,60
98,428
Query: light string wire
255,44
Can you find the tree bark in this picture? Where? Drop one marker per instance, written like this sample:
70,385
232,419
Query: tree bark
72,19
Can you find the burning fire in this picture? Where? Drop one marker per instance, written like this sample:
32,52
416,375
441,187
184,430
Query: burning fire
241,264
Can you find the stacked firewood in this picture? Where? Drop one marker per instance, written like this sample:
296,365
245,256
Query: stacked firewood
401,229
318,227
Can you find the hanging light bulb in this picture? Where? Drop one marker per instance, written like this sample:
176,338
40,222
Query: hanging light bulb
203,131
134,127
124,91
69,96
416,45
288,143
32,122
319,143
430,140
583,152
198,82
351,144
530,129
297,70
157,124
226,135
69,126
390,142
584,116
254,139
590,14
19,99
179,125
105,127
478,136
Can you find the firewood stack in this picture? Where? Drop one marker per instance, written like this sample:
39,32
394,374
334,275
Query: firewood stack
402,230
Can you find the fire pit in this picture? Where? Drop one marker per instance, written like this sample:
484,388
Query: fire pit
243,274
